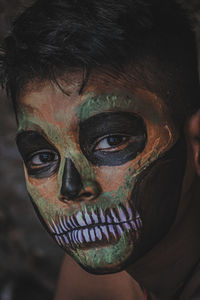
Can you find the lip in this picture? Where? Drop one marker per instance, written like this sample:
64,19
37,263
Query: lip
99,227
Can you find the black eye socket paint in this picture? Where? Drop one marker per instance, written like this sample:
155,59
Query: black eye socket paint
112,124
32,147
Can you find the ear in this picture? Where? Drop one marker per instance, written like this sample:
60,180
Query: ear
194,132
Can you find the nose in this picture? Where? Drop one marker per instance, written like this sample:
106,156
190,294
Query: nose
71,181
72,187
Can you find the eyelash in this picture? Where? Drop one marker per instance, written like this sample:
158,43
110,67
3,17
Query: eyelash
100,144
37,156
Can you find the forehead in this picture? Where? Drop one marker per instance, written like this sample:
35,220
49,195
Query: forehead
101,93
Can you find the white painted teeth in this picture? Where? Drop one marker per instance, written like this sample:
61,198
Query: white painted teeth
70,235
75,235
61,240
92,234
122,215
139,222
129,212
105,231
109,221
119,230
98,233
133,225
94,226
51,228
69,222
80,236
62,225
114,216
65,224
87,217
86,235
79,218
94,217
102,217
66,239
73,222
126,226
55,227
112,230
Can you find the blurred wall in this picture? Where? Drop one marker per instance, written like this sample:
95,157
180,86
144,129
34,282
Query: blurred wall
29,258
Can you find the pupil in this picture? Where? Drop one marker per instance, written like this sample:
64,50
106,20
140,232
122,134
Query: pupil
47,157
115,140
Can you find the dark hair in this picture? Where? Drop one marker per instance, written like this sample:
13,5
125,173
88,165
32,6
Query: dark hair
53,37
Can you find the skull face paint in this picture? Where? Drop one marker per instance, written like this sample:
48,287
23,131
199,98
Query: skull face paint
100,168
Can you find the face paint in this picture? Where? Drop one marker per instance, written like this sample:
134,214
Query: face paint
112,144
103,169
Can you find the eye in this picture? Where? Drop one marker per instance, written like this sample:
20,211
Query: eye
42,159
112,143
42,164
112,138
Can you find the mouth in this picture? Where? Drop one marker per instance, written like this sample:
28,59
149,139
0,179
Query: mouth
95,228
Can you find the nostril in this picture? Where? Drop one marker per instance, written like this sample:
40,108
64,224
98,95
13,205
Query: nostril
91,190
86,194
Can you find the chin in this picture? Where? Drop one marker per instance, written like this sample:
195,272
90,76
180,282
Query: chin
102,258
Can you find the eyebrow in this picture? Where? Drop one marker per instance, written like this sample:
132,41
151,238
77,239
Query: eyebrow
100,103
95,104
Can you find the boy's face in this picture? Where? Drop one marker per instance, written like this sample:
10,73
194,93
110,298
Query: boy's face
104,168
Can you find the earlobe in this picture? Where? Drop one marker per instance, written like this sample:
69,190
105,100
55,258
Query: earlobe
194,131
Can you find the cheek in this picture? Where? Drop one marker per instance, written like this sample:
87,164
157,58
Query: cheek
44,194
110,178
118,180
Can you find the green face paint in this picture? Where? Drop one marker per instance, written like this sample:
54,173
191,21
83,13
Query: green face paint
94,104
86,158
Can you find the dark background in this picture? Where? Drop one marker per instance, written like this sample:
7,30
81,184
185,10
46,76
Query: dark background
29,259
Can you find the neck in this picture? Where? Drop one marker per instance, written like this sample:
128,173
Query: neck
165,268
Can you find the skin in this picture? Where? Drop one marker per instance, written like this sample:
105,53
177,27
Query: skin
116,286
164,269
58,118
